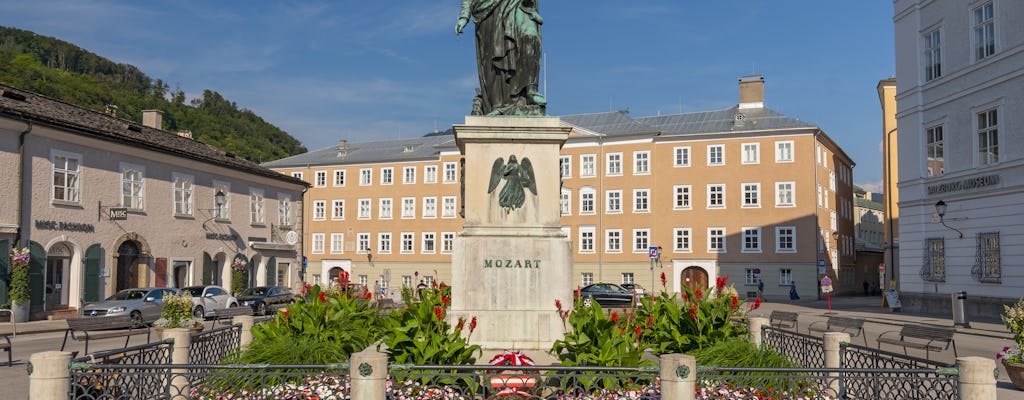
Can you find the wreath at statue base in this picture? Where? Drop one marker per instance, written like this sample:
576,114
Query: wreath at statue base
511,383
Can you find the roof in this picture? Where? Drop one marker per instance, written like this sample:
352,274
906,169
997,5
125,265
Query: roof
420,148
41,109
865,203
608,123
731,119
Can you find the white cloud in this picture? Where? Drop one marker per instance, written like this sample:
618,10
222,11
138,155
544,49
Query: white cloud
873,187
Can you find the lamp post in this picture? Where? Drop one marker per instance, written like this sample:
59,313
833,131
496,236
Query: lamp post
219,199
940,208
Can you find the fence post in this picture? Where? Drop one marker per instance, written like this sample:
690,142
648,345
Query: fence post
977,379
368,371
755,330
48,375
678,377
832,344
247,322
180,350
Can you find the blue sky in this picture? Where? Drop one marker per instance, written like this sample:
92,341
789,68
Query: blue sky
367,70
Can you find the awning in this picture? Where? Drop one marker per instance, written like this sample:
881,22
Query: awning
271,246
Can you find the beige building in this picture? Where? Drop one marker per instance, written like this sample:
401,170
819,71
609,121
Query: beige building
106,204
744,192
890,180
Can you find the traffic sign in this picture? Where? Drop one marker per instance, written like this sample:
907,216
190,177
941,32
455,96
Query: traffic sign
653,251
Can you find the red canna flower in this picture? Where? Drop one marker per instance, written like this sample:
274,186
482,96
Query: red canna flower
472,324
757,304
445,301
693,311
438,312
664,281
698,294
686,297
286,313
442,286
462,323
720,282
650,321
558,304
369,295
615,316
565,314
433,284
735,301
636,331
323,298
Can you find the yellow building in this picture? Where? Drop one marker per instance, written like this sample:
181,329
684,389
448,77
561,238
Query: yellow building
743,192
890,179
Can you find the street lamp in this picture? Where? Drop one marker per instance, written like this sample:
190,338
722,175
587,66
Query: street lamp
219,199
940,208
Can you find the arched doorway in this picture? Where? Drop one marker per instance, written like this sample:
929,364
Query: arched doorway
334,276
127,265
694,278
58,266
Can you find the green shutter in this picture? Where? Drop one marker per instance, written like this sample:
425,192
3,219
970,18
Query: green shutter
4,269
91,289
272,272
208,267
36,269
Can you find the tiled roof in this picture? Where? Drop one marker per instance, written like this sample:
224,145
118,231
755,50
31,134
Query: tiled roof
609,123
722,121
37,108
420,148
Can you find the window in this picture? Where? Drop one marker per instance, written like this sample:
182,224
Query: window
641,163
320,178
681,240
447,242
408,175
363,280
784,151
363,243
682,197
384,209
365,177
429,243
364,209
318,243
716,196
988,266
586,201
785,239
565,166
588,166
751,195
338,209
749,277
682,156
66,176
256,214
613,240
641,240
988,137
932,55
319,210
448,207
564,200
751,240
384,243
784,194
223,211
284,211
614,164
627,278
407,280
614,201
337,243
408,207
716,240
450,175
586,239
785,276
297,175
429,174
641,200
832,181
984,31
339,178
587,278
819,195
183,191
407,242
751,153
716,154
430,207
132,194
387,176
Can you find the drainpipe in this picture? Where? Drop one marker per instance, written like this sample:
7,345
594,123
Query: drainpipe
21,178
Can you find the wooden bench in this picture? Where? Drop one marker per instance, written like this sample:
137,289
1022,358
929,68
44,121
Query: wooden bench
784,319
852,326
229,314
90,328
925,337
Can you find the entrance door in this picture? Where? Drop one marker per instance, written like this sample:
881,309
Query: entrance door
127,265
694,278
180,274
57,260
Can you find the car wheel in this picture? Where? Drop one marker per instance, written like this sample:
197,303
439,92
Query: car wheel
261,309
198,312
137,318
587,301
232,305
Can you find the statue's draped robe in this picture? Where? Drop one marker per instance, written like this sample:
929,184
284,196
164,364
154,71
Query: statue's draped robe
508,46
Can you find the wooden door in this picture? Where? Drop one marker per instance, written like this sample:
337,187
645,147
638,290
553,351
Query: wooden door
694,278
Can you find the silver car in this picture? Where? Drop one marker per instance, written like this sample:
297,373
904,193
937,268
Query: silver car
207,298
142,304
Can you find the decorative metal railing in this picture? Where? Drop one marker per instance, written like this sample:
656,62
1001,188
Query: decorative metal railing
210,347
522,382
818,383
934,380
807,350
128,373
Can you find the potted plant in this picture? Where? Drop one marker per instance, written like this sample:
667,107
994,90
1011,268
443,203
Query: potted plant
19,293
177,313
1012,359
237,276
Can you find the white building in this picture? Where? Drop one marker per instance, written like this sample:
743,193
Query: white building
960,96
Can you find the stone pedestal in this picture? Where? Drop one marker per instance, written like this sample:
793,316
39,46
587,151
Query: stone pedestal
510,265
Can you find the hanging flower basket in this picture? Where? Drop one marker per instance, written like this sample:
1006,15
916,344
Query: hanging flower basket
512,385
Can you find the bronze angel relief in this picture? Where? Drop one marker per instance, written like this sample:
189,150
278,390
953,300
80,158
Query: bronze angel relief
517,176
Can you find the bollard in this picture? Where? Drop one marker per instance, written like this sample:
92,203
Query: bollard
755,330
49,376
182,338
977,379
247,321
678,377
368,370
831,348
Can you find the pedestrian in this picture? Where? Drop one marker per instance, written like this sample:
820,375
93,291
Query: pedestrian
866,287
793,295
420,288
760,289
376,288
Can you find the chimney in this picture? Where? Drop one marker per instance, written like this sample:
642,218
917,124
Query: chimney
153,119
342,148
185,134
752,91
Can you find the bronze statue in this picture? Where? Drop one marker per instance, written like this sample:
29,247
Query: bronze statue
517,176
508,55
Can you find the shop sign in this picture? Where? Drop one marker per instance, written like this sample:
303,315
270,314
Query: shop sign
964,184
64,226
222,236
118,214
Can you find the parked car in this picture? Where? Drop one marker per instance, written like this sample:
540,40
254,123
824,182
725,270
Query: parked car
606,294
263,299
638,291
207,298
142,304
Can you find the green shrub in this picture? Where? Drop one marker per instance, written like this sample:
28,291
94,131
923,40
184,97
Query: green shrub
739,352
599,339
700,319
421,334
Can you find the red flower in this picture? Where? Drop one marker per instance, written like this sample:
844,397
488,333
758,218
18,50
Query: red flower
686,297
323,298
369,295
615,316
438,312
698,294
720,282
462,322
636,331
472,324
558,304
442,286
735,301
663,279
445,301
693,311
565,314
433,284
286,313
650,321
757,303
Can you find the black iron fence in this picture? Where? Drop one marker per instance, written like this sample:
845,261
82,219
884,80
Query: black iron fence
932,381
534,382
807,350
128,373
821,383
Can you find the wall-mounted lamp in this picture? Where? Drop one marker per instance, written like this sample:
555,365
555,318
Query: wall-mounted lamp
218,200
940,208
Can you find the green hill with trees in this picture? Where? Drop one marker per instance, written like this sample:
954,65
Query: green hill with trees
67,72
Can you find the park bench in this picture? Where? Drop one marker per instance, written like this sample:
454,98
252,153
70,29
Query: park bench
228,314
925,337
91,328
784,319
852,326
386,304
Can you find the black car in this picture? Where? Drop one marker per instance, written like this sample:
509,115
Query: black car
264,299
638,291
606,295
